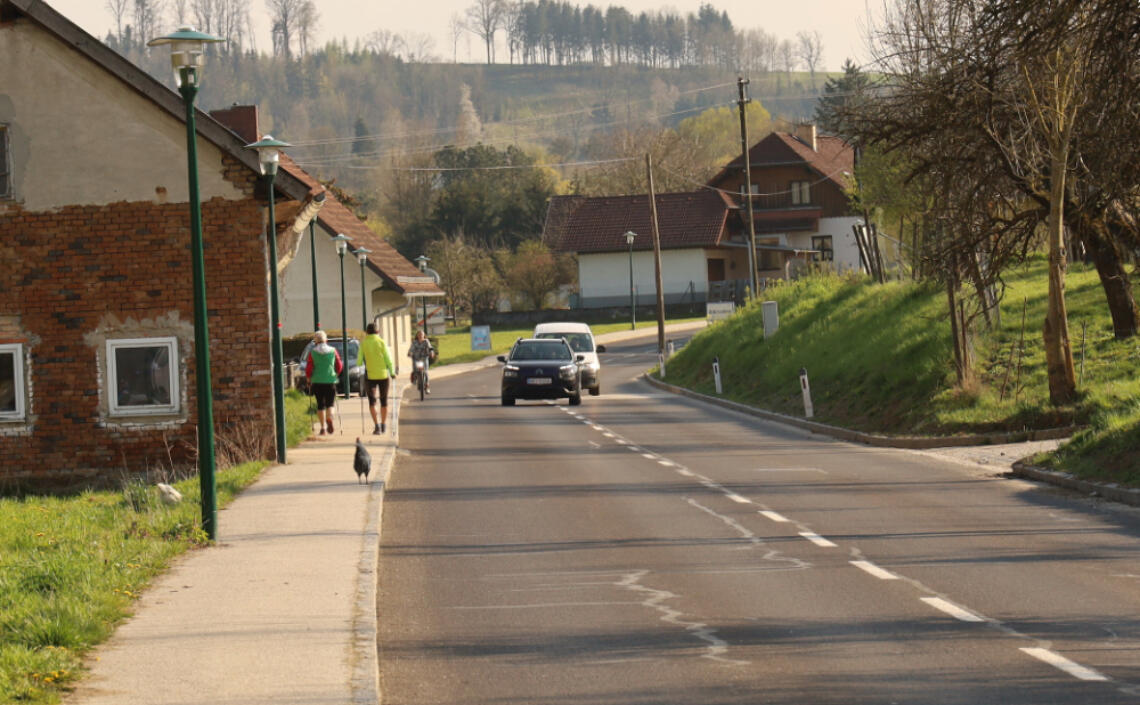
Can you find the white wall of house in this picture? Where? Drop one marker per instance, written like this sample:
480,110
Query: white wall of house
296,283
132,151
603,278
842,241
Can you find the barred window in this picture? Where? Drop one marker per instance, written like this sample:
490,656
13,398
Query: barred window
11,382
142,374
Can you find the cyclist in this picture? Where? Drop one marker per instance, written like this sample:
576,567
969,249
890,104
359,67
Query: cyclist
421,349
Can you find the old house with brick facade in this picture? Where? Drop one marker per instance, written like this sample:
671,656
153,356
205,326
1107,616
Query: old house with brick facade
97,366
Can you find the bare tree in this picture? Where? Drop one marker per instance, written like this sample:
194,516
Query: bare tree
147,14
307,20
811,51
284,18
384,41
456,28
485,18
178,8
786,54
418,47
118,10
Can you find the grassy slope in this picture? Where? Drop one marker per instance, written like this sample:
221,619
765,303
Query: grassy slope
70,567
879,359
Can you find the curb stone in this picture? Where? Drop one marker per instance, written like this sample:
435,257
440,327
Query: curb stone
1109,491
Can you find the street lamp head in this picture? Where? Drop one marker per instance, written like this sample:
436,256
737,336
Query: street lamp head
422,261
362,255
341,241
268,153
186,53
629,235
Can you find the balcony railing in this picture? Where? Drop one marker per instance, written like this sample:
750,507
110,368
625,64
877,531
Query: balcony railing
777,201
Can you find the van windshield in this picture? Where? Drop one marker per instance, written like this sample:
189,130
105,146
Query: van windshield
581,342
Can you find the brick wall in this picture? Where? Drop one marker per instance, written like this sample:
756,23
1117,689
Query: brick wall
72,278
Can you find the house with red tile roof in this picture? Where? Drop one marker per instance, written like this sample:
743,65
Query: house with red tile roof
693,227
387,290
799,202
801,214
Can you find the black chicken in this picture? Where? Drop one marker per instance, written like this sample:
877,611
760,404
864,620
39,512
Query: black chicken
362,462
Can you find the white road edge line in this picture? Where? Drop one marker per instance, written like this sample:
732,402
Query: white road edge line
951,609
868,567
1058,661
817,539
774,516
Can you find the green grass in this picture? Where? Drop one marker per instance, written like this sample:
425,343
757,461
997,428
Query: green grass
71,567
455,345
879,359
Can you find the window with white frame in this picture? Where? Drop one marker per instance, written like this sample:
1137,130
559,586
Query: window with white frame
801,193
5,164
142,375
11,382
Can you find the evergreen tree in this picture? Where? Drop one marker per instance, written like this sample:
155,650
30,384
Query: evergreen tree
839,94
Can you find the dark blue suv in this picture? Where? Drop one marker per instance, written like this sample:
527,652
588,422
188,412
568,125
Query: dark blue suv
541,369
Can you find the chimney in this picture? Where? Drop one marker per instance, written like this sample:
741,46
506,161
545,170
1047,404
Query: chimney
805,132
241,120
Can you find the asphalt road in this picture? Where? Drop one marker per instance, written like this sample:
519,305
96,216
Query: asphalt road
644,548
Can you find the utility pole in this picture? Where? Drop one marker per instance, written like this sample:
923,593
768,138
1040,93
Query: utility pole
656,256
753,269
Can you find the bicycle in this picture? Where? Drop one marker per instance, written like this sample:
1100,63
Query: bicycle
420,375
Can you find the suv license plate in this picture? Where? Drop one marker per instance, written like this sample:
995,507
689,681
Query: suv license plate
539,380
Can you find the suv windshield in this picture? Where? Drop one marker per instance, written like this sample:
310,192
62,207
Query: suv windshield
581,342
534,350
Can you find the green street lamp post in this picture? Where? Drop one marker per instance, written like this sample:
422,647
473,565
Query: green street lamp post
421,262
629,235
313,262
268,155
341,241
187,60
362,257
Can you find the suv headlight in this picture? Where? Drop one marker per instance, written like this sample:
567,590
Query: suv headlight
568,370
510,371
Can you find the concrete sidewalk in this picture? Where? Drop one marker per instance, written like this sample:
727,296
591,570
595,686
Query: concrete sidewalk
283,608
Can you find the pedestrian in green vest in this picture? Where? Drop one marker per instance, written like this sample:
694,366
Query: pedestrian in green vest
378,372
323,370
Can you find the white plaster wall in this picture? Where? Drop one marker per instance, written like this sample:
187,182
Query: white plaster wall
842,240
297,289
605,276
80,136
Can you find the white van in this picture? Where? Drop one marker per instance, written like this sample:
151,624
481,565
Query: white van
581,339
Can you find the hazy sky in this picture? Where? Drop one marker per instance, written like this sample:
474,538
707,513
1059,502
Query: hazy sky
842,23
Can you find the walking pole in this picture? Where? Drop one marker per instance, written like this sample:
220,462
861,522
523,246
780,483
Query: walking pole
339,418
311,398
362,410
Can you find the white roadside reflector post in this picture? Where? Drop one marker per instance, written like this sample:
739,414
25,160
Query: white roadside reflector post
807,392
716,374
661,363
669,348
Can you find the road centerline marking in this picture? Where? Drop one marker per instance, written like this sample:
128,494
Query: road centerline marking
817,539
1071,667
872,569
951,609
774,516
738,499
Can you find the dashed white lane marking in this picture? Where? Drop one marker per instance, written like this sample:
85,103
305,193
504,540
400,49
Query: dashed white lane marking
774,516
666,463
738,499
607,434
951,609
622,441
817,539
1058,661
874,570
594,444
649,456
685,472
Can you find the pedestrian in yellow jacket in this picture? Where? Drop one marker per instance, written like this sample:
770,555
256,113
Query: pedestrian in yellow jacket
378,372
